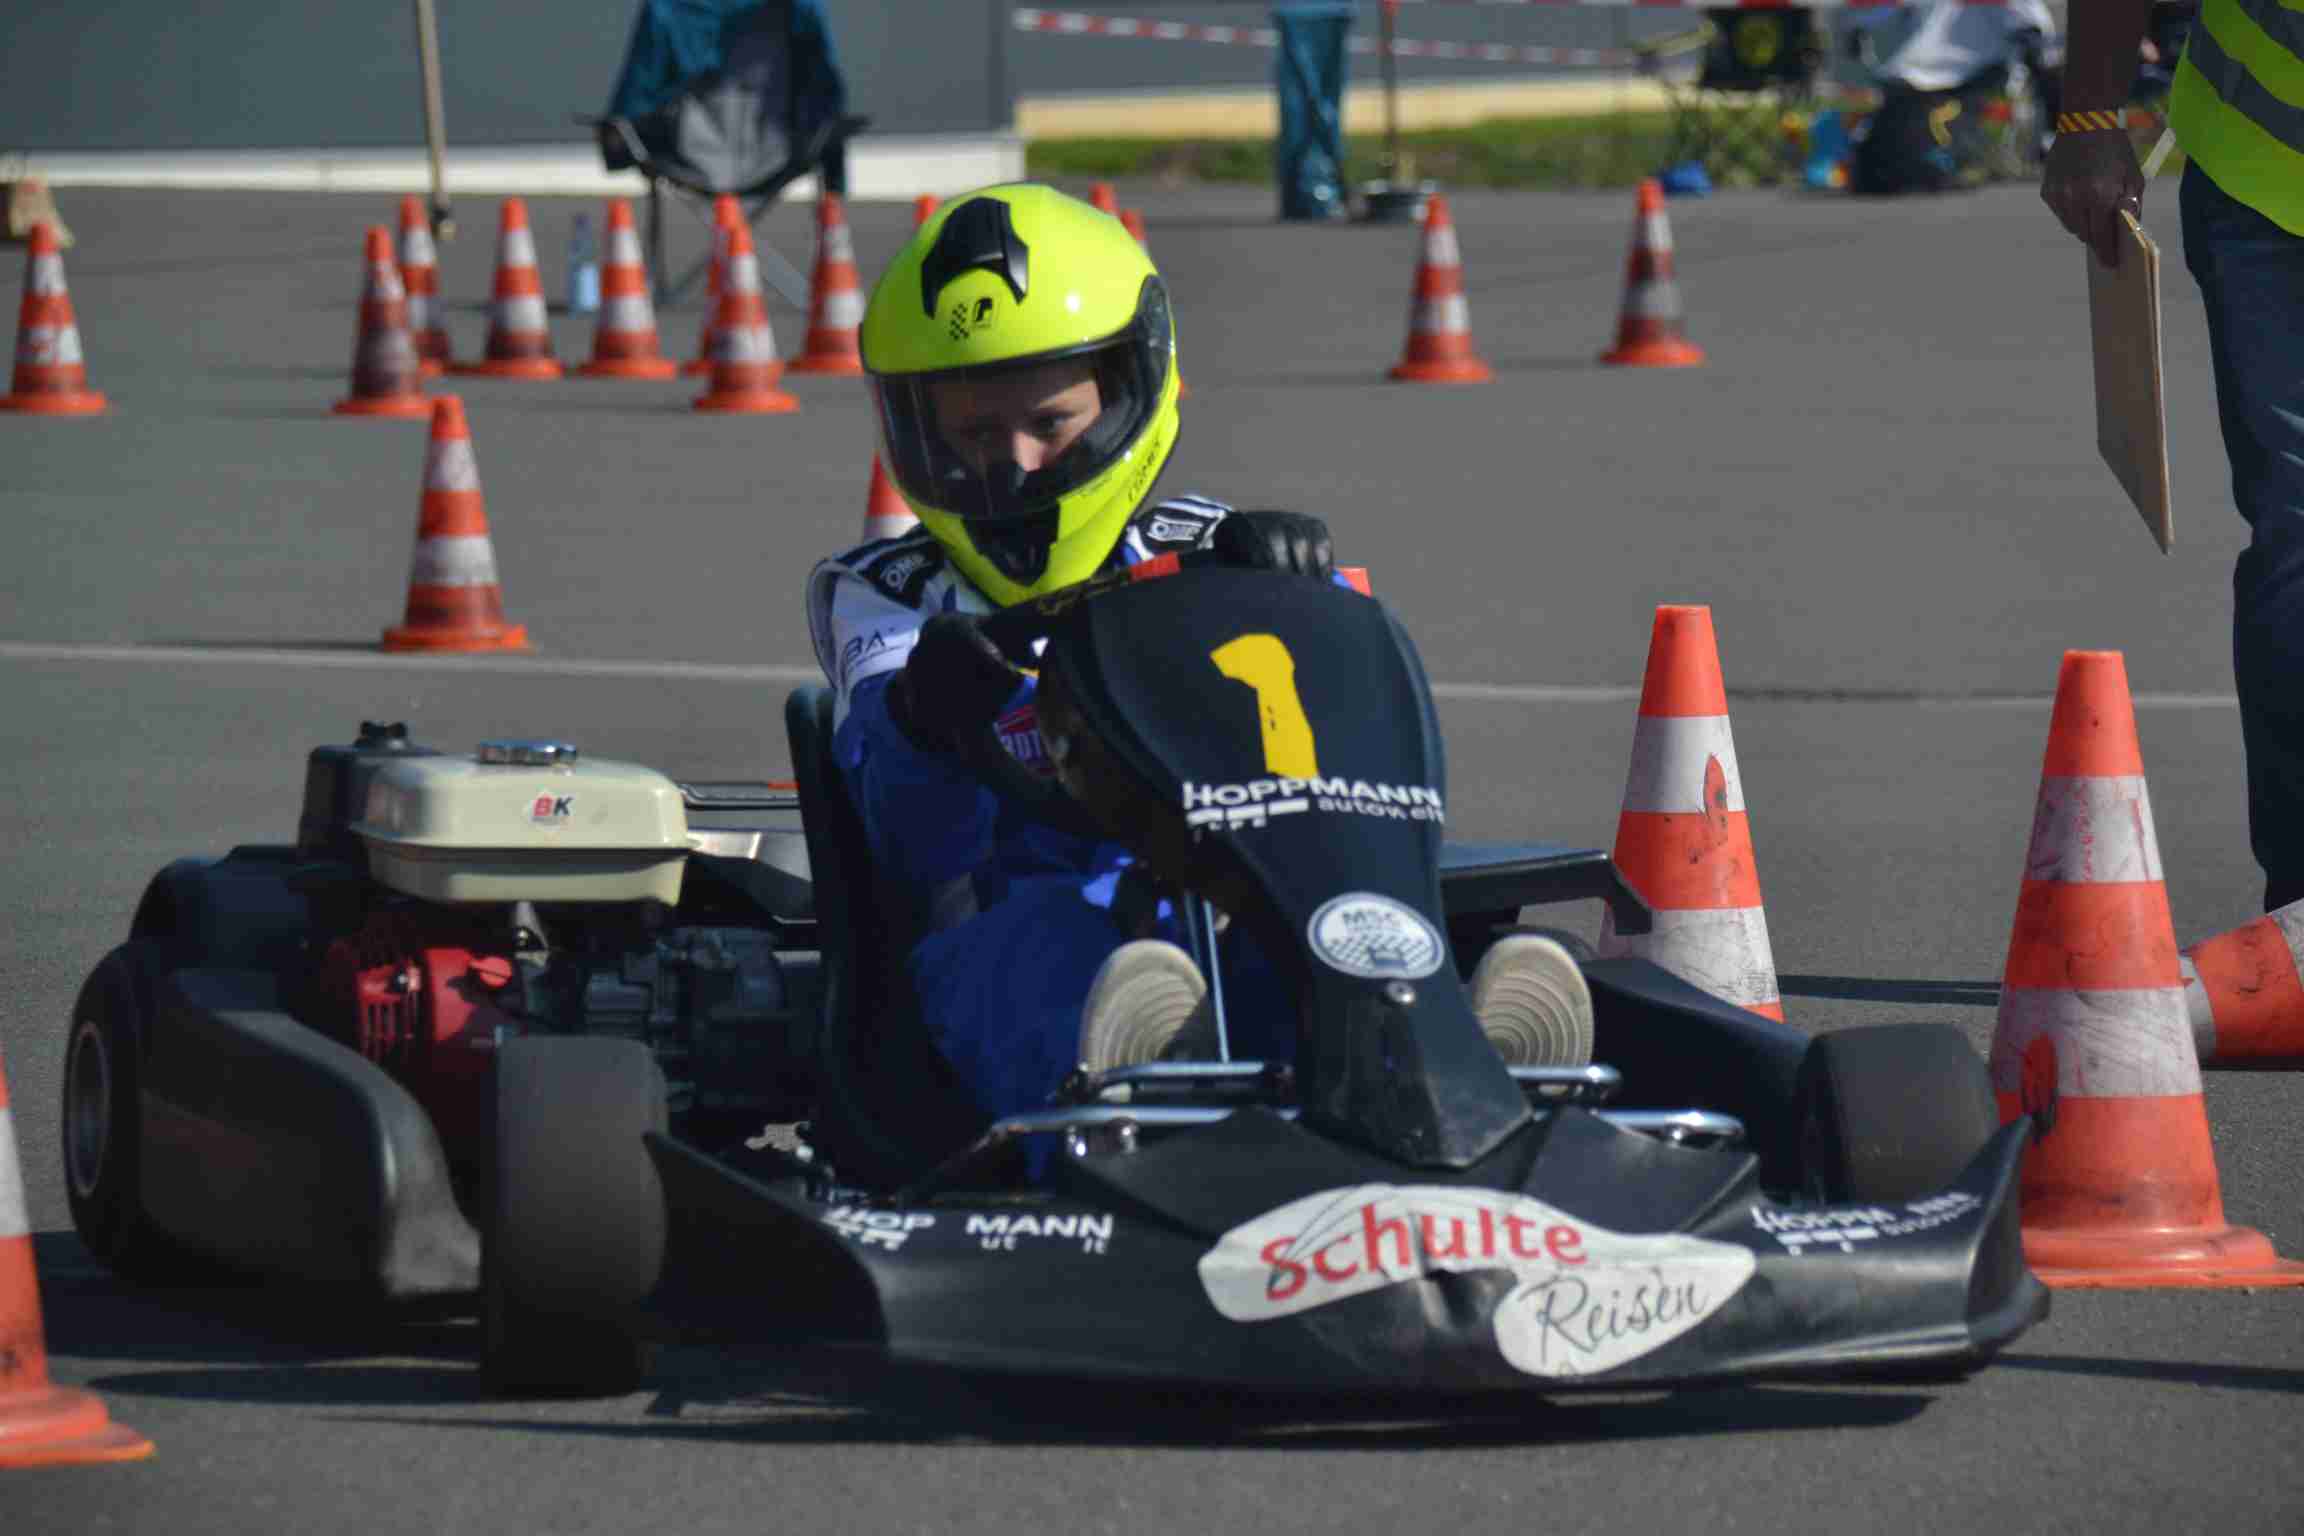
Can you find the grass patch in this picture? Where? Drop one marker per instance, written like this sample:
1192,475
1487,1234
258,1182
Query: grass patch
1612,150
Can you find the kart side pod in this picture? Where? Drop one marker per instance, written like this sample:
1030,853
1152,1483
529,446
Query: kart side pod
279,1150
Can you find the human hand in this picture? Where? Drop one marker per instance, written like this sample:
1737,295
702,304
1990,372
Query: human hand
1294,542
954,682
2089,179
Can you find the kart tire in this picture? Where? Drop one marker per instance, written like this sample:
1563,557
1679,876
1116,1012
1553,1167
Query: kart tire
1891,1112
103,1123
575,1222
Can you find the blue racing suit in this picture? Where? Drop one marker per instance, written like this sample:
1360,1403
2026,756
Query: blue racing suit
1018,914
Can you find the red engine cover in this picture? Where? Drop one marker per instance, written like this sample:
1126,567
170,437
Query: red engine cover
422,1006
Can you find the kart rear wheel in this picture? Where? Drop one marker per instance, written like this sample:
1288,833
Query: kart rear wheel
1891,1112
103,1123
575,1223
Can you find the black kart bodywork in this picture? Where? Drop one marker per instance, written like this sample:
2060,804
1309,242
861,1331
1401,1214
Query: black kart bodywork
1392,1207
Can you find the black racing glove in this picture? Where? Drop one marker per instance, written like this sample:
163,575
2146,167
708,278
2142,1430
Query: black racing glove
1294,542
953,683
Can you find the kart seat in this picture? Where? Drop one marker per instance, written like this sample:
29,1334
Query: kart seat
889,1108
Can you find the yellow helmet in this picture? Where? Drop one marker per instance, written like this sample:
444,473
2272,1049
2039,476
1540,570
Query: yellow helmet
1002,280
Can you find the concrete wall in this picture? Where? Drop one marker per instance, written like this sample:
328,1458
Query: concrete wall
282,74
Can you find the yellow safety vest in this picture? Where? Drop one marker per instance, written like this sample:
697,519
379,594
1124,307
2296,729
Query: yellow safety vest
2238,103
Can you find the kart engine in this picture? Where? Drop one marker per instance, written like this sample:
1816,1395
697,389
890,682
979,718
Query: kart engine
523,890
427,993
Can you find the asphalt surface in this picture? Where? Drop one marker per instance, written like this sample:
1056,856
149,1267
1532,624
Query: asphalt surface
1883,482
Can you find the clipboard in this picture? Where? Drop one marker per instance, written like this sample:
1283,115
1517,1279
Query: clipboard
2131,408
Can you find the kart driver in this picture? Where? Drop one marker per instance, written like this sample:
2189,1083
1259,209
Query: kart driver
1021,357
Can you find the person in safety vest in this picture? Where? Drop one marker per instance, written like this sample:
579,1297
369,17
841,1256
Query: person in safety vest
2237,108
1022,359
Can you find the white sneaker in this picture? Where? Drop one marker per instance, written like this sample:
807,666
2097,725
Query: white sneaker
1532,1003
1138,1004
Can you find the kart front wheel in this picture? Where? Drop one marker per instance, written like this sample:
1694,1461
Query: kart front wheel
575,1217
1891,1112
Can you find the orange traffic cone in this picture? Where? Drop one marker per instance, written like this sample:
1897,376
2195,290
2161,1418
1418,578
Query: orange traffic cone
51,378
727,213
386,375
886,514
624,342
1684,841
454,603
924,208
835,300
1439,321
41,1425
1103,199
1135,222
744,363
2244,994
519,333
2119,1186
420,277
1648,333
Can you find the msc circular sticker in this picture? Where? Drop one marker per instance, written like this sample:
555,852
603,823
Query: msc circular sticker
1363,934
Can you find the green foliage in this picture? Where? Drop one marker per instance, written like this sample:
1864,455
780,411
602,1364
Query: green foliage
1615,150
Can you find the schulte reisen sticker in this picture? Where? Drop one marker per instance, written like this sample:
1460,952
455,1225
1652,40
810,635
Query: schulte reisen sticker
1587,1299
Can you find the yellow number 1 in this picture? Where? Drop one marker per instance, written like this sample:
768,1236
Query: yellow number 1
1263,663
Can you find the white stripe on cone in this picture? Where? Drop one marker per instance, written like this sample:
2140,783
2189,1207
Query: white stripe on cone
419,311
384,282
2117,1042
518,249
744,344
1441,249
49,346
15,1219
838,246
1720,950
451,466
844,310
47,276
627,312
623,248
2092,831
521,312
2198,1009
456,560
1671,754
1658,299
416,247
1441,317
1656,233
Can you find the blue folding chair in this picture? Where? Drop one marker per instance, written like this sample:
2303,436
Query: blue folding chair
726,98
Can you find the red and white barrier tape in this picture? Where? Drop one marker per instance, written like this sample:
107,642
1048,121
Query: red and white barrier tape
1081,24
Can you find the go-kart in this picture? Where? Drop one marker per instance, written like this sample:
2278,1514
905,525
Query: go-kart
636,1060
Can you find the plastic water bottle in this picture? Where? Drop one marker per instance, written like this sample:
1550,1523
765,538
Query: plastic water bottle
583,267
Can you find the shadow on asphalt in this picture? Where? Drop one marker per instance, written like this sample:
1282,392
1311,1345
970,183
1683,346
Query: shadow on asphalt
837,1402
1861,989
2190,1373
298,1348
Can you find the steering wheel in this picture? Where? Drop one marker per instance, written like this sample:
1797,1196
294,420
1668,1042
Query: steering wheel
1017,632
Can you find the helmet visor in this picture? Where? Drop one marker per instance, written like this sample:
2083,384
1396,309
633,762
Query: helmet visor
1004,443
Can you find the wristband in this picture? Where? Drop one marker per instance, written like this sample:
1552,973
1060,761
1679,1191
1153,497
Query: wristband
2090,122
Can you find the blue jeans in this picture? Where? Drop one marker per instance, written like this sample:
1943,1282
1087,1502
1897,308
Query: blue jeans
2251,277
